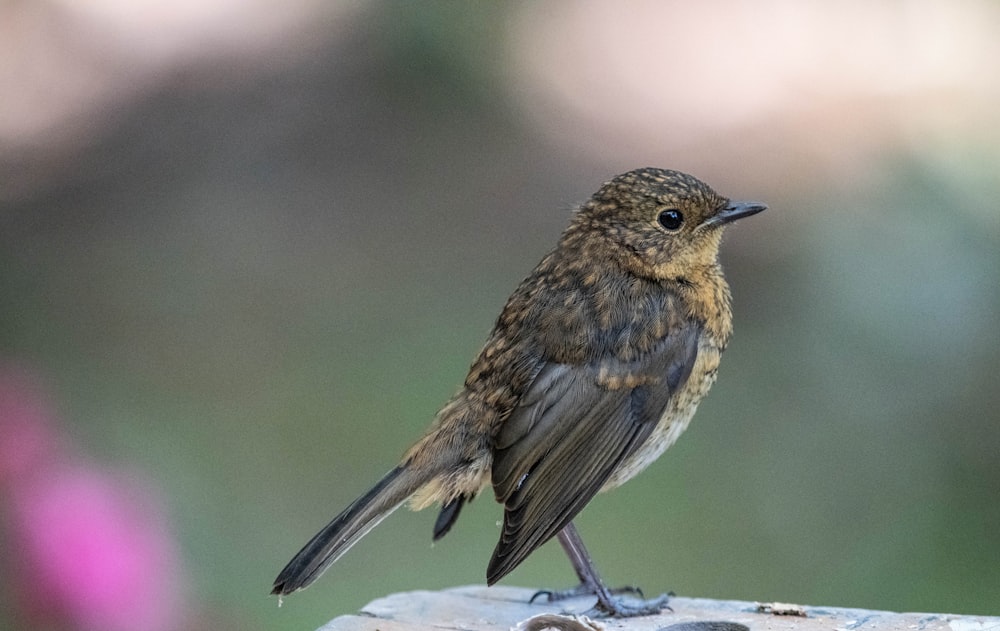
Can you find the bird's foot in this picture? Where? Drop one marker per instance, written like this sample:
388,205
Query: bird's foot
607,605
621,608
582,589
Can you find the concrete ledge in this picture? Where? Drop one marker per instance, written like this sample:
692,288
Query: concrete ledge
480,608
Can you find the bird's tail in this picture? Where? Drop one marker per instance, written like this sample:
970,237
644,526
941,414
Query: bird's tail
347,528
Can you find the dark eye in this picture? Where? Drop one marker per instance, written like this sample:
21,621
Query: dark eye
670,219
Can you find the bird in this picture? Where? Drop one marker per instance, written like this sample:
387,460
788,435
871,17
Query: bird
594,367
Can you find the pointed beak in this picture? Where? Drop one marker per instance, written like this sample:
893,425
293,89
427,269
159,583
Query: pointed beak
734,211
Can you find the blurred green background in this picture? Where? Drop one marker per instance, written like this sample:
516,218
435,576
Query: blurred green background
255,276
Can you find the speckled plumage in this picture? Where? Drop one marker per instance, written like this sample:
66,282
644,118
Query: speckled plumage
594,367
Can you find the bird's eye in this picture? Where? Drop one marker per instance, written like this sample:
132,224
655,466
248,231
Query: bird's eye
670,219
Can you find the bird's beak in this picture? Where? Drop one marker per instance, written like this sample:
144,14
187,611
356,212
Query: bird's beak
734,211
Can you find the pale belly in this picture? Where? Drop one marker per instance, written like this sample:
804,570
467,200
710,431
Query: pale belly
675,418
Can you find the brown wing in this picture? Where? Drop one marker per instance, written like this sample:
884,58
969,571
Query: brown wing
571,429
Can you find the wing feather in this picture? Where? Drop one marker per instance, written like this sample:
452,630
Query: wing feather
571,429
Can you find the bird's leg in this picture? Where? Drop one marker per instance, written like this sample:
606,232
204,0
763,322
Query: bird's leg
591,583
584,569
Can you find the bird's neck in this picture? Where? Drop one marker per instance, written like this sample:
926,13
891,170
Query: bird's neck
708,299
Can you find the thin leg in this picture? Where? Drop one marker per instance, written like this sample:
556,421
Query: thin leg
586,573
572,544
591,583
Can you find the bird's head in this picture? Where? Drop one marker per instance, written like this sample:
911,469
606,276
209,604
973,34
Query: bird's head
659,223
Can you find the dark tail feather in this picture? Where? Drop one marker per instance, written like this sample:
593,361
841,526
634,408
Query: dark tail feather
447,516
346,529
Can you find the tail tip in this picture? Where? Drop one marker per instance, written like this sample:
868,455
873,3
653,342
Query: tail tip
284,585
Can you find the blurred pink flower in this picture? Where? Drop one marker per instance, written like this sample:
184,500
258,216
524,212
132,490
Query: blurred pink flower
91,547
26,438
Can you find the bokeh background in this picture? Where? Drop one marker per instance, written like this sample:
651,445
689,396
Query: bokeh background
247,250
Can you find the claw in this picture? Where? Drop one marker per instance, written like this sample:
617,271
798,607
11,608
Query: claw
607,606
581,590
618,608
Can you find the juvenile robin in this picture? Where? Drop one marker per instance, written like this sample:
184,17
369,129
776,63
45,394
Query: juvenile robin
595,366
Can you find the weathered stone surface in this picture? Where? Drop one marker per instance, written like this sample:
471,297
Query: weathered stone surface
479,608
